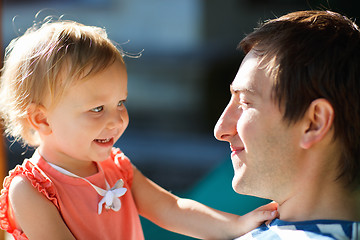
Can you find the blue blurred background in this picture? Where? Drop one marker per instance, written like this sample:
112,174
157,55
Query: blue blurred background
178,87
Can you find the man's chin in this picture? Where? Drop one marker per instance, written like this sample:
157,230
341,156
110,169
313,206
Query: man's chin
241,186
238,185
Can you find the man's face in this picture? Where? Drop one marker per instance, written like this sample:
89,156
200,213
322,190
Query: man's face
263,146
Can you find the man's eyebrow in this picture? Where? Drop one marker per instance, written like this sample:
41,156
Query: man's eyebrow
234,90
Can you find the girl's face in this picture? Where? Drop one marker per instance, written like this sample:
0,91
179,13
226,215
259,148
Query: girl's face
88,120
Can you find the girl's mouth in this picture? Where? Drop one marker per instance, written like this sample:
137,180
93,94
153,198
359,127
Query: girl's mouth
105,142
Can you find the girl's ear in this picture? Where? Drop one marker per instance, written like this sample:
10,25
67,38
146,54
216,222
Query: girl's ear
318,121
37,117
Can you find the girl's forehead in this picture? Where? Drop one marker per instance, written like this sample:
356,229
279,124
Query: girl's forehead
103,82
95,85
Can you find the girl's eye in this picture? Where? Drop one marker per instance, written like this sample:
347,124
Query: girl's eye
121,103
97,109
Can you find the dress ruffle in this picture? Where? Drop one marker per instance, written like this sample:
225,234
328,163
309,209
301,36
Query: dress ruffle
123,163
38,180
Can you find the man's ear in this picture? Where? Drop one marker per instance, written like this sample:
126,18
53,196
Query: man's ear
318,121
37,117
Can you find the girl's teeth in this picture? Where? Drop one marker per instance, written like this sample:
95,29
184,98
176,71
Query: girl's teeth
103,140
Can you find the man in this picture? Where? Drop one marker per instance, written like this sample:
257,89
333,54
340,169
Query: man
293,124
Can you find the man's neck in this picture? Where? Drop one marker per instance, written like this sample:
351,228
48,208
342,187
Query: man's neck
331,201
316,192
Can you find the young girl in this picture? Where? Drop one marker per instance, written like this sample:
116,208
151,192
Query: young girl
63,89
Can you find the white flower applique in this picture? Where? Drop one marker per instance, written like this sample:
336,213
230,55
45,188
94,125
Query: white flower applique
112,196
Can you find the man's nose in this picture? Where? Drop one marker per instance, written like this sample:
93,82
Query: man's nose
225,127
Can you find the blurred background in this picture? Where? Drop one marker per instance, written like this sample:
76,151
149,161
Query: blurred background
177,88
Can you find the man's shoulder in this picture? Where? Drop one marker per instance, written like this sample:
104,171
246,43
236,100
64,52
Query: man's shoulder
318,229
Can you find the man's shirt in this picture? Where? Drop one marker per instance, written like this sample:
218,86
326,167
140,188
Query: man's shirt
318,229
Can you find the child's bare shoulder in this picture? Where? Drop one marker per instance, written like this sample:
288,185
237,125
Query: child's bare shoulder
21,191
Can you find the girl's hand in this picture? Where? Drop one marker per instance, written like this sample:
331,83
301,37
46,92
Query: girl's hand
257,217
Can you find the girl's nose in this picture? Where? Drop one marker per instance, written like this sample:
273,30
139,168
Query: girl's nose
117,119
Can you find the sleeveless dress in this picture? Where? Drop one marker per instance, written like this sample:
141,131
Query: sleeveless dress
77,201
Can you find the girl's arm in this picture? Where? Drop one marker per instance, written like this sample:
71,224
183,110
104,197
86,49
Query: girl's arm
192,218
35,215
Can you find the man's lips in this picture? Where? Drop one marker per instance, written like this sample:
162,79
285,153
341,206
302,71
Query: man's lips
236,150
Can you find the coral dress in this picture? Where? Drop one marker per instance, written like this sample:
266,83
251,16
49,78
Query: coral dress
77,201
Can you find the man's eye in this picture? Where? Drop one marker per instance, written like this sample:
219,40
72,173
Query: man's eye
97,109
244,104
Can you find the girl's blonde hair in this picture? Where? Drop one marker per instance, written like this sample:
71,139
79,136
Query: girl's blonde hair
44,63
